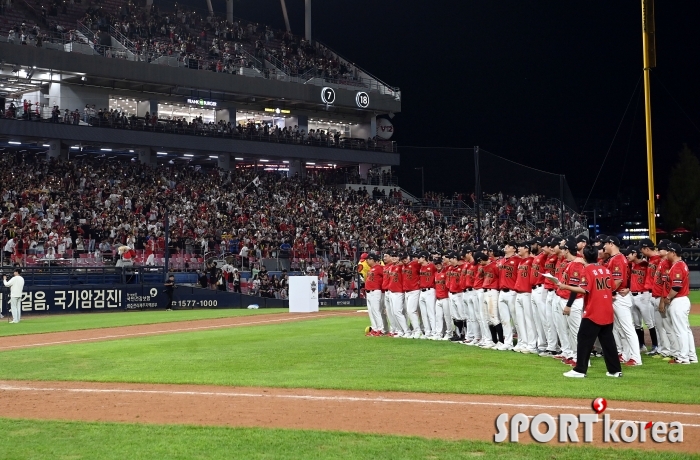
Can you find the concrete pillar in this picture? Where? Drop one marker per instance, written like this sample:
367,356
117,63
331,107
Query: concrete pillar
57,150
364,170
225,162
297,167
147,156
307,19
226,114
146,106
373,126
229,11
303,122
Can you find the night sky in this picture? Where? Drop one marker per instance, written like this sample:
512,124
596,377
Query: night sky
542,83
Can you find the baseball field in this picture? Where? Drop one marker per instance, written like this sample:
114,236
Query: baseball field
270,384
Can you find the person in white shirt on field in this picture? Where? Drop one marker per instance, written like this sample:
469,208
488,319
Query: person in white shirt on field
16,285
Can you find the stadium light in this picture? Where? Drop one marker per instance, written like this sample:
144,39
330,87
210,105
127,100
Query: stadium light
189,155
161,153
239,159
45,145
106,150
14,143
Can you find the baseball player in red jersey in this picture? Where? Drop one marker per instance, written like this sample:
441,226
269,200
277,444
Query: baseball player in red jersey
572,308
410,271
385,291
641,298
373,288
469,298
507,276
441,300
678,306
649,251
597,321
559,302
461,266
622,303
453,284
527,335
426,301
663,280
549,267
488,333
539,295
396,292
491,291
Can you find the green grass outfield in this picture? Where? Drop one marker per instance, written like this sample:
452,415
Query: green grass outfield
38,324
694,296
333,353
32,439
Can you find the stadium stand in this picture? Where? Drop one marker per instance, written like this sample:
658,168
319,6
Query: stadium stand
79,212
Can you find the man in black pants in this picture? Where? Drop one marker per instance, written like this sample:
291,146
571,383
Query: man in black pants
597,322
169,289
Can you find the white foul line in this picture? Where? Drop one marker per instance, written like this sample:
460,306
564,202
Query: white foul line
378,399
184,329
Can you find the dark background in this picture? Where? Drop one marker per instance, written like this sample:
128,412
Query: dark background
542,83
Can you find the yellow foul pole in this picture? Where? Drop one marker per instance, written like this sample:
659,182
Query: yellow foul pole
649,48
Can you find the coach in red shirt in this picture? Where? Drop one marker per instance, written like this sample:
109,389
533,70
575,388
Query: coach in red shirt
597,322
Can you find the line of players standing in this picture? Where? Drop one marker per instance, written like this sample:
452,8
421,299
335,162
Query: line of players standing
488,296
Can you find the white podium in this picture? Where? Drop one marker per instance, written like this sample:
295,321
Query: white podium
303,294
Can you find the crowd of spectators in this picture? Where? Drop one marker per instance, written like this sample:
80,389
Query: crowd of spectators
93,204
249,129
194,39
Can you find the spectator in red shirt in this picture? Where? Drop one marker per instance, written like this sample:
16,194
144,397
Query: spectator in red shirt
597,322
678,305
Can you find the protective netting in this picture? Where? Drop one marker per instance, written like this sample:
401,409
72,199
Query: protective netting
451,170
